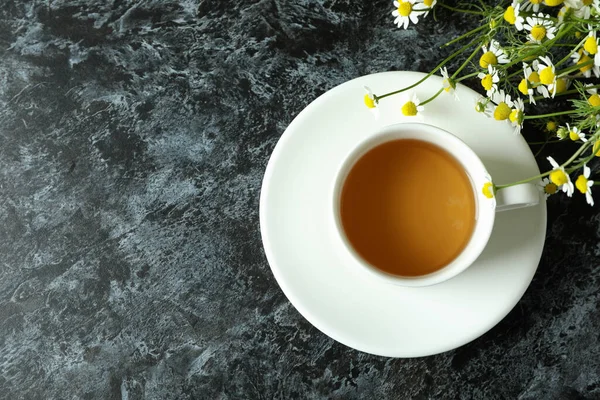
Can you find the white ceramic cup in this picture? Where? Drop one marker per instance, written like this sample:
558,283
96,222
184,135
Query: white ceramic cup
506,199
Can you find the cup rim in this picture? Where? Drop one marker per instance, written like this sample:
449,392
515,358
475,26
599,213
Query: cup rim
485,216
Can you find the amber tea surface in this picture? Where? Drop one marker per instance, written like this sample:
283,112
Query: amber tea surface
408,207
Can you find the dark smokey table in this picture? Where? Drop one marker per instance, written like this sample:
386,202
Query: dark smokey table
134,139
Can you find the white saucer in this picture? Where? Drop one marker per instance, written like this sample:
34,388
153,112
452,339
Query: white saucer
345,304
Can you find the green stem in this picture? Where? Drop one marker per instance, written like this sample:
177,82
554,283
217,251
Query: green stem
471,75
570,160
566,92
432,97
546,44
579,165
440,65
546,142
464,35
574,67
542,147
467,61
550,115
540,176
460,10
565,58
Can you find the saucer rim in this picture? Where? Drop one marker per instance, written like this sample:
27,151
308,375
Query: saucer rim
297,302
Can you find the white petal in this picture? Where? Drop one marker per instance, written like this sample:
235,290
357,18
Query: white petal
552,162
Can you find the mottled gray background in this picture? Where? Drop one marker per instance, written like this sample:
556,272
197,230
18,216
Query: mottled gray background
134,136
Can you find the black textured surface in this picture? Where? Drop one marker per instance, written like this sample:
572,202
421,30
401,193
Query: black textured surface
134,139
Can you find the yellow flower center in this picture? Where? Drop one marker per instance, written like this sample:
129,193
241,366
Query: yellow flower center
551,126
534,77
369,101
404,8
488,58
409,109
535,1
558,177
523,88
584,58
561,85
515,116
447,85
596,149
488,190
538,32
591,46
553,3
577,34
509,15
573,135
581,184
502,112
428,3
550,188
594,100
487,82
547,76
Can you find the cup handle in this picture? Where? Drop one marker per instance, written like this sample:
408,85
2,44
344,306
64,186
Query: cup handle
518,196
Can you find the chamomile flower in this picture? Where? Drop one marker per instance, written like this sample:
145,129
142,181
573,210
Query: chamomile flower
560,178
369,98
532,5
489,80
596,148
582,57
405,13
411,105
503,105
482,105
529,82
591,44
585,9
488,190
547,187
493,55
551,126
562,133
512,15
575,134
562,13
584,185
562,84
590,89
448,83
547,76
517,116
553,3
428,4
594,99
540,27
